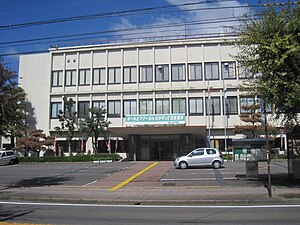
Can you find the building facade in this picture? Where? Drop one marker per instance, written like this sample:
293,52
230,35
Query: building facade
163,98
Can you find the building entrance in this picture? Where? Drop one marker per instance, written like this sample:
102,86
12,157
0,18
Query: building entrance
163,150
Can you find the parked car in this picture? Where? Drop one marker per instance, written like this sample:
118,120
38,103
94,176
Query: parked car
8,157
201,157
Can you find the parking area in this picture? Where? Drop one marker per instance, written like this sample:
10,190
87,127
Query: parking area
107,175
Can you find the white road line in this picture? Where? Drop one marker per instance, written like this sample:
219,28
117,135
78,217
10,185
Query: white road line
89,183
150,206
197,179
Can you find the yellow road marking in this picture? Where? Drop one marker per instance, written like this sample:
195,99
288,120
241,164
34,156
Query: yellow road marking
125,182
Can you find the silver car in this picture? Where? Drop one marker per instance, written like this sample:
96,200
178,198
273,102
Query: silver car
8,157
201,157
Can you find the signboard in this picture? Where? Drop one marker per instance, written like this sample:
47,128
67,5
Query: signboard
152,119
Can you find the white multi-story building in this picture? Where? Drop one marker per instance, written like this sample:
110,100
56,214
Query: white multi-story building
162,98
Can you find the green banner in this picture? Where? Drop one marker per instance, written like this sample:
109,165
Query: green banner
146,119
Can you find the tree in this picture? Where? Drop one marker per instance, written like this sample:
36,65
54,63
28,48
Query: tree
95,125
12,104
270,49
67,119
35,141
250,116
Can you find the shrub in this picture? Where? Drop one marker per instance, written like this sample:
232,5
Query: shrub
77,158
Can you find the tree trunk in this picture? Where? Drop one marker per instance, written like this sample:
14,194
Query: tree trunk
70,148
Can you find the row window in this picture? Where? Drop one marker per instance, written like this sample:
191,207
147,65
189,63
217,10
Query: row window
130,74
162,106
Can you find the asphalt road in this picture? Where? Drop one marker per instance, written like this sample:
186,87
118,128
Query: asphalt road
81,174
128,215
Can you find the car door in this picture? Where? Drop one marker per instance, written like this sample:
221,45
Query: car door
197,157
3,158
210,155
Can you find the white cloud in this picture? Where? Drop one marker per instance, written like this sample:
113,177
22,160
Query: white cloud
205,17
12,50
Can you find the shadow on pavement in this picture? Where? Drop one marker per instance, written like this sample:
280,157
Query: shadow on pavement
282,180
40,181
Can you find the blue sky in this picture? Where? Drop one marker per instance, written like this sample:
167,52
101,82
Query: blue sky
21,11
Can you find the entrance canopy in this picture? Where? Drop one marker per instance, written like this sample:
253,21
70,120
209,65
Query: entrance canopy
164,130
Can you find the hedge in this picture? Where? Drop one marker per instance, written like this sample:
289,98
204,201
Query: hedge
77,158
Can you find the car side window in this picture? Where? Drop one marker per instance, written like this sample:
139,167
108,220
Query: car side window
210,151
3,154
199,152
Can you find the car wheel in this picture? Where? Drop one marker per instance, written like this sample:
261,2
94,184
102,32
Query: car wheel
216,164
183,165
11,162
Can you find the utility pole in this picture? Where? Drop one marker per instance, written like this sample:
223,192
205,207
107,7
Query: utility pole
268,152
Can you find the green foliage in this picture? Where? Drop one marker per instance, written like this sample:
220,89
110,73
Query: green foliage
67,119
77,158
95,125
12,104
270,49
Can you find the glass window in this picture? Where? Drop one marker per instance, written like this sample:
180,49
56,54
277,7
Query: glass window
99,104
211,71
213,106
70,78
57,78
84,77
129,107
178,72
231,105
146,106
99,76
130,74
210,151
244,73
146,74
260,102
55,108
162,106
198,152
83,109
73,109
228,70
195,71
114,108
245,103
162,73
178,105
114,75
196,106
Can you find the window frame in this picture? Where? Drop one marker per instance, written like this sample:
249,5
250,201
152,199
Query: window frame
195,77
146,68
213,99
164,102
116,105
116,79
73,78
196,106
131,74
164,75
149,109
226,111
59,78
85,112
178,78
180,101
132,107
231,66
57,108
211,71
100,102
101,80
86,79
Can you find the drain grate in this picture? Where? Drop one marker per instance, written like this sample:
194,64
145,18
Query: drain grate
169,184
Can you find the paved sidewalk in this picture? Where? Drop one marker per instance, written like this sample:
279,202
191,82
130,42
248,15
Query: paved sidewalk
147,189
